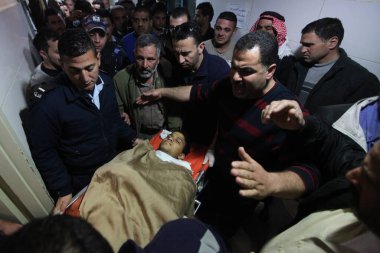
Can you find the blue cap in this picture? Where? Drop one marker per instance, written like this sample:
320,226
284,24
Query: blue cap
93,22
183,235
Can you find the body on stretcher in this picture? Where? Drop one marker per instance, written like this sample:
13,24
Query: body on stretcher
195,157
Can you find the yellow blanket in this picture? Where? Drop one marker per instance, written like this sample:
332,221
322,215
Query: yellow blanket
133,195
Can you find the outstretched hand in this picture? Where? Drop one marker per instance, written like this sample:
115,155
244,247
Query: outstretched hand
148,97
254,180
286,114
61,204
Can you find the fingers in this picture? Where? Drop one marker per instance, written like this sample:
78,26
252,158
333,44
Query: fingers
276,107
251,193
244,155
62,203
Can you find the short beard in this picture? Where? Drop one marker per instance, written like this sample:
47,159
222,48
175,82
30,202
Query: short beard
147,75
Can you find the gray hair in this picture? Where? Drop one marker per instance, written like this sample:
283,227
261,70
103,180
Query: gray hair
145,40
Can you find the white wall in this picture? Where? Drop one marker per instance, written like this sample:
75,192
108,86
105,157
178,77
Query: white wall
22,193
359,18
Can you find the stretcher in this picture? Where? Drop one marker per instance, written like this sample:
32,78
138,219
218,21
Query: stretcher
195,157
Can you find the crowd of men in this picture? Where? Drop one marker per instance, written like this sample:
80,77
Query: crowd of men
112,76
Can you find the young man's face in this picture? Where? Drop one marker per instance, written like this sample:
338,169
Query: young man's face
109,26
69,4
200,19
141,23
249,78
188,53
173,145
224,30
99,38
56,23
174,22
52,54
146,61
119,16
159,20
82,70
313,48
366,179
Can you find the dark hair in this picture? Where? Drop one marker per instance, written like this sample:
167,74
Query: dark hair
52,12
104,13
59,234
116,7
228,15
40,41
123,2
187,147
378,108
141,8
75,42
145,40
326,28
187,30
206,9
273,14
266,43
100,2
158,8
83,6
179,12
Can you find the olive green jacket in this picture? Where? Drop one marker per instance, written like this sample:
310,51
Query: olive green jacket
127,91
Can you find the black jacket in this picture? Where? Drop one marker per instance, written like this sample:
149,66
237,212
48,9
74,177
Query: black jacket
346,82
69,137
335,154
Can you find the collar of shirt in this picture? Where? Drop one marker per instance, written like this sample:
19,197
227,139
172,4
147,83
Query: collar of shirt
95,94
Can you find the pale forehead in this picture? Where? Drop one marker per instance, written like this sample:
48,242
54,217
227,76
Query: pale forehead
225,23
250,57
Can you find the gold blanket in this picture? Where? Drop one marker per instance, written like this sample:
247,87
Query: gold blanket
133,195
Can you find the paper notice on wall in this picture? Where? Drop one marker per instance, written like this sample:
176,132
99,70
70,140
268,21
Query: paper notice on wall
241,11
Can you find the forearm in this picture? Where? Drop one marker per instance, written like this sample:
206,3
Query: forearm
287,185
180,94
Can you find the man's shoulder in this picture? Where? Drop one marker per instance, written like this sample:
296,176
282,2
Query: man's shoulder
47,94
39,76
129,37
208,44
217,63
350,65
124,74
279,92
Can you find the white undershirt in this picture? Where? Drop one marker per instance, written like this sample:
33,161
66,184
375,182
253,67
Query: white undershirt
168,158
